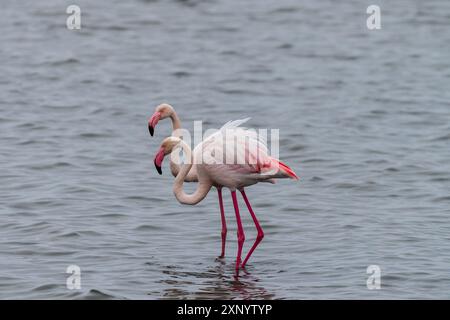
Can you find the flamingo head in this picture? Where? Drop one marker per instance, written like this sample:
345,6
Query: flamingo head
167,146
162,111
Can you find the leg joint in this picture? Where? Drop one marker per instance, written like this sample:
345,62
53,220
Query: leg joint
260,235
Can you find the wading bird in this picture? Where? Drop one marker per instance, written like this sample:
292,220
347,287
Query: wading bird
233,157
164,111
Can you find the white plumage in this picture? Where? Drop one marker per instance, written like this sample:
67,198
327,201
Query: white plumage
236,157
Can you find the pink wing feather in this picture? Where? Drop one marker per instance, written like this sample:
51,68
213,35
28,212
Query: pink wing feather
243,151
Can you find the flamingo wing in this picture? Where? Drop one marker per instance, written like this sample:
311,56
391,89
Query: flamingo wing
238,151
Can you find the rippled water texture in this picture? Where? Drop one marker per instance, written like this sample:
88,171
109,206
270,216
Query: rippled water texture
363,118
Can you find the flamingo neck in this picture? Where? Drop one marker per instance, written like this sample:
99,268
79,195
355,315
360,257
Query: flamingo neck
175,167
203,185
176,123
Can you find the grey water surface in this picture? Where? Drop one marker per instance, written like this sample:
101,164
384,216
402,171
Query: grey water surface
364,119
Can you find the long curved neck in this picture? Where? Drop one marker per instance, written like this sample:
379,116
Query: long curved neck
203,185
176,124
175,167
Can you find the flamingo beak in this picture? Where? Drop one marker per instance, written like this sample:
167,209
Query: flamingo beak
159,159
153,121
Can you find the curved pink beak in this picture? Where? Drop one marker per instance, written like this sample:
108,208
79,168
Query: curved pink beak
153,121
159,157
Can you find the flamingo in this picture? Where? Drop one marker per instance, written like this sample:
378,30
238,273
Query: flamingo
252,165
165,111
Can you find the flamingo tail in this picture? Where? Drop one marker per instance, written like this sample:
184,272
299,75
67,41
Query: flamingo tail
285,169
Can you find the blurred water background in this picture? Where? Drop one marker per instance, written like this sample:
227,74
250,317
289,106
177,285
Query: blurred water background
363,118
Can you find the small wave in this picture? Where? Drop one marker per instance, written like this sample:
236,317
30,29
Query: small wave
285,10
147,227
285,46
378,112
112,215
444,137
230,53
61,107
46,287
351,226
29,142
67,61
440,179
94,135
237,91
314,160
296,148
115,27
72,234
143,198
181,74
97,294
223,29
442,199
59,164
59,253
89,81
38,226
345,185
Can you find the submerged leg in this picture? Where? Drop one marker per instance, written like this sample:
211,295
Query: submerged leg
224,222
260,235
240,230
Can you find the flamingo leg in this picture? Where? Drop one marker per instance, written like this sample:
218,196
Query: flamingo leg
260,235
224,222
240,230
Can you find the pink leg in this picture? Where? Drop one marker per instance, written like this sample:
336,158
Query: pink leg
260,235
224,222
240,230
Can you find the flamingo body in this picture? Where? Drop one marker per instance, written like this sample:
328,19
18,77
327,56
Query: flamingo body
234,157
240,164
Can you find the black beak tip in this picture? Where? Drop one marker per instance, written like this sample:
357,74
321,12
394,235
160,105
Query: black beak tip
158,168
151,130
